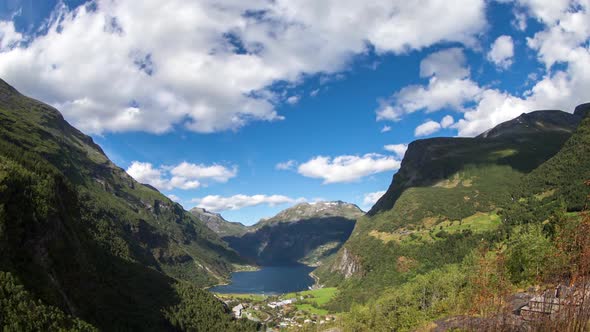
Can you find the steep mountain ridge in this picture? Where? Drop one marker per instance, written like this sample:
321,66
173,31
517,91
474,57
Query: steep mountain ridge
534,122
305,233
83,236
519,143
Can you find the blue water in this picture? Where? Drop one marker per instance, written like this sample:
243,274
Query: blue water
269,280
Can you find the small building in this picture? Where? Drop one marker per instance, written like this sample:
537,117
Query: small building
237,310
551,303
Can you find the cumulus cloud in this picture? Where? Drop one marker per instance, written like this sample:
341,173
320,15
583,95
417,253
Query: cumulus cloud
563,39
547,11
217,173
447,121
210,65
448,86
398,149
347,168
287,165
371,198
502,52
218,203
427,128
183,176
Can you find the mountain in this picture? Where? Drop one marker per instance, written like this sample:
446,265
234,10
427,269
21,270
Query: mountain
305,233
521,144
442,203
87,242
218,224
562,177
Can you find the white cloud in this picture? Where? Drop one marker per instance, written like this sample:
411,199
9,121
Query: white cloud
398,149
9,38
385,129
209,65
314,93
347,168
446,64
520,21
547,11
447,121
371,198
448,87
146,173
502,52
388,113
184,176
287,165
564,39
427,128
218,203
193,171
174,198
293,100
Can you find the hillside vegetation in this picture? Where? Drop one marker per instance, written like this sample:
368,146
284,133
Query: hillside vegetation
463,225
79,238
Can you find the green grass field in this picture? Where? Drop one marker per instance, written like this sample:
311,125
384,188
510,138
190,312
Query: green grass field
314,299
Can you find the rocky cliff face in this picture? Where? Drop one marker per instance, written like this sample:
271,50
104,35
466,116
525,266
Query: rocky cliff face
347,265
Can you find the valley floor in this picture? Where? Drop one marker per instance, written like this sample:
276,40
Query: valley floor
291,311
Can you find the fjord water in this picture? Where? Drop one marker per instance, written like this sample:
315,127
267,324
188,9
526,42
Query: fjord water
269,280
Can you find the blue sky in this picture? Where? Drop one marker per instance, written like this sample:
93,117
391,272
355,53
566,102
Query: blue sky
247,107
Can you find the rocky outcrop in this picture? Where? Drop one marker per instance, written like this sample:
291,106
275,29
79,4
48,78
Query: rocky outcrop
347,264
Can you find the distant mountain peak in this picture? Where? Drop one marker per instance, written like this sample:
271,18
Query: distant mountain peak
217,223
319,209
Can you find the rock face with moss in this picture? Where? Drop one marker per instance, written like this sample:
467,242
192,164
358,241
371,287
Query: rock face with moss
443,202
306,233
86,239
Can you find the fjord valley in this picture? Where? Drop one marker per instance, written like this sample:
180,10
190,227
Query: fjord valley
294,166
306,233
85,246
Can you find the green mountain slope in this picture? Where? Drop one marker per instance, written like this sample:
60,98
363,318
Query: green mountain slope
442,204
562,177
306,233
469,274
83,237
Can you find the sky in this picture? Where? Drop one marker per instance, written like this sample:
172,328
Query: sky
248,107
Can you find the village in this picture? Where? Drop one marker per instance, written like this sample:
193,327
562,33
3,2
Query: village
282,312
